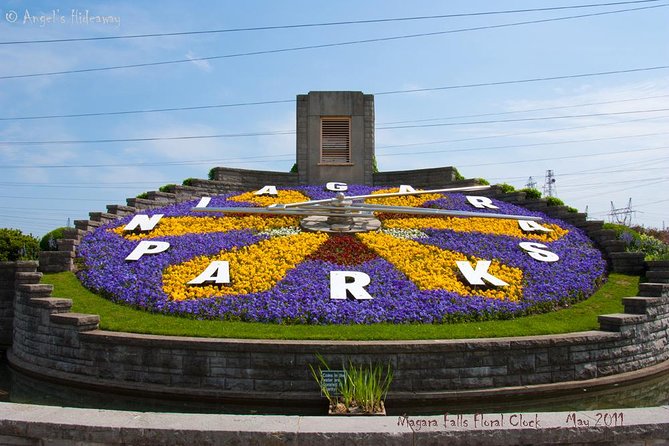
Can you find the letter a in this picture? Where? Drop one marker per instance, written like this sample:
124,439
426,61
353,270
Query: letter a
267,190
532,226
481,202
146,247
476,275
144,222
218,271
339,285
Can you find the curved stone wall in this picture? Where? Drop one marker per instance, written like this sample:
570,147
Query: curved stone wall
50,341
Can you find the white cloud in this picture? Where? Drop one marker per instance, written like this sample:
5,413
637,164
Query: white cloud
203,65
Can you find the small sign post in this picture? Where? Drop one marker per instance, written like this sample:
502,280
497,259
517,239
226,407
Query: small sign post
331,380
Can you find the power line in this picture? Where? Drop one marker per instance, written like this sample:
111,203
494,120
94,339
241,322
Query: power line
320,46
523,110
324,24
285,101
565,157
291,132
522,81
514,146
532,132
150,110
499,121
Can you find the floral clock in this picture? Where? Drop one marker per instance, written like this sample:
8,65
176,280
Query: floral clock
312,255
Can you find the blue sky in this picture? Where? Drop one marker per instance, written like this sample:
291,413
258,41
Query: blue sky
617,151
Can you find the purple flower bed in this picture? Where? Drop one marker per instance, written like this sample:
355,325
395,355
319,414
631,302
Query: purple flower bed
303,295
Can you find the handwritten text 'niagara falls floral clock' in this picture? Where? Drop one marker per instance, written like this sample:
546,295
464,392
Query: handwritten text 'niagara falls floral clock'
341,254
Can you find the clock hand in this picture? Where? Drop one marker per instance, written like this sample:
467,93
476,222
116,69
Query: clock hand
341,197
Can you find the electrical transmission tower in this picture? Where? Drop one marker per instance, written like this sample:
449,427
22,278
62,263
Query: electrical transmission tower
622,216
531,183
550,190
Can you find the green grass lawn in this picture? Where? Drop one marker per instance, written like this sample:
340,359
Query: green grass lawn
114,317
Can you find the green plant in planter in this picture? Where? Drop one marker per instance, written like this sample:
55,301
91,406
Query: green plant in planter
362,391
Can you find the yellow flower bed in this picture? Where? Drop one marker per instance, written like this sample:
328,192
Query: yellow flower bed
253,268
283,197
482,225
406,200
430,267
202,225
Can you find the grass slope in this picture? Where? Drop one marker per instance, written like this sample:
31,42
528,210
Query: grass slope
115,317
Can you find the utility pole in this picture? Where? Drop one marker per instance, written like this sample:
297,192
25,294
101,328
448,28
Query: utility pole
549,184
531,184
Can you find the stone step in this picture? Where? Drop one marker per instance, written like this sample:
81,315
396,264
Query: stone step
28,277
639,304
658,264
614,322
143,203
86,225
102,217
614,245
118,209
603,234
627,262
650,289
656,276
162,196
575,218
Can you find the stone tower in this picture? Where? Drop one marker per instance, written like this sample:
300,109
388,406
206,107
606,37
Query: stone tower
335,137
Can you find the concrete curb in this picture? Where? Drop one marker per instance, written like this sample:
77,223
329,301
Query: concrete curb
30,424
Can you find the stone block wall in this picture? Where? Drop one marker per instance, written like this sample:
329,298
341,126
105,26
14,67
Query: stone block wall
438,177
11,273
52,342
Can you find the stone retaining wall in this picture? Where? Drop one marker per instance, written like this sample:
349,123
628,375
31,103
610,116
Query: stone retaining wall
50,341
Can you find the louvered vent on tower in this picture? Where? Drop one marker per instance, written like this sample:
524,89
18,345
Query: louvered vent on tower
335,140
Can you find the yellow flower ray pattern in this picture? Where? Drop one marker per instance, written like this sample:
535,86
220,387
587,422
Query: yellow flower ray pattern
430,267
481,225
175,226
253,269
283,197
406,200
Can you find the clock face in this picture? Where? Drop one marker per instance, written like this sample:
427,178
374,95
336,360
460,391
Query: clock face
409,268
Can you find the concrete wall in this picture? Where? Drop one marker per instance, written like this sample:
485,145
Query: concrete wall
22,424
243,180
438,177
317,104
52,342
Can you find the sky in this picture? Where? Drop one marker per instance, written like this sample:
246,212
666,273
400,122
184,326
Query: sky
497,91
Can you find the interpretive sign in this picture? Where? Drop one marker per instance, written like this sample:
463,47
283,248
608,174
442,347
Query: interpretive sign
331,380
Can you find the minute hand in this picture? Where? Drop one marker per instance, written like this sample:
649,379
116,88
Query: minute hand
440,212
388,194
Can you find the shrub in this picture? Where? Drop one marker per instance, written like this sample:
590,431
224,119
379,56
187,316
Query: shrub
143,195
653,248
458,176
14,245
294,168
572,210
506,188
532,193
482,181
554,201
50,240
188,181
212,172
167,188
